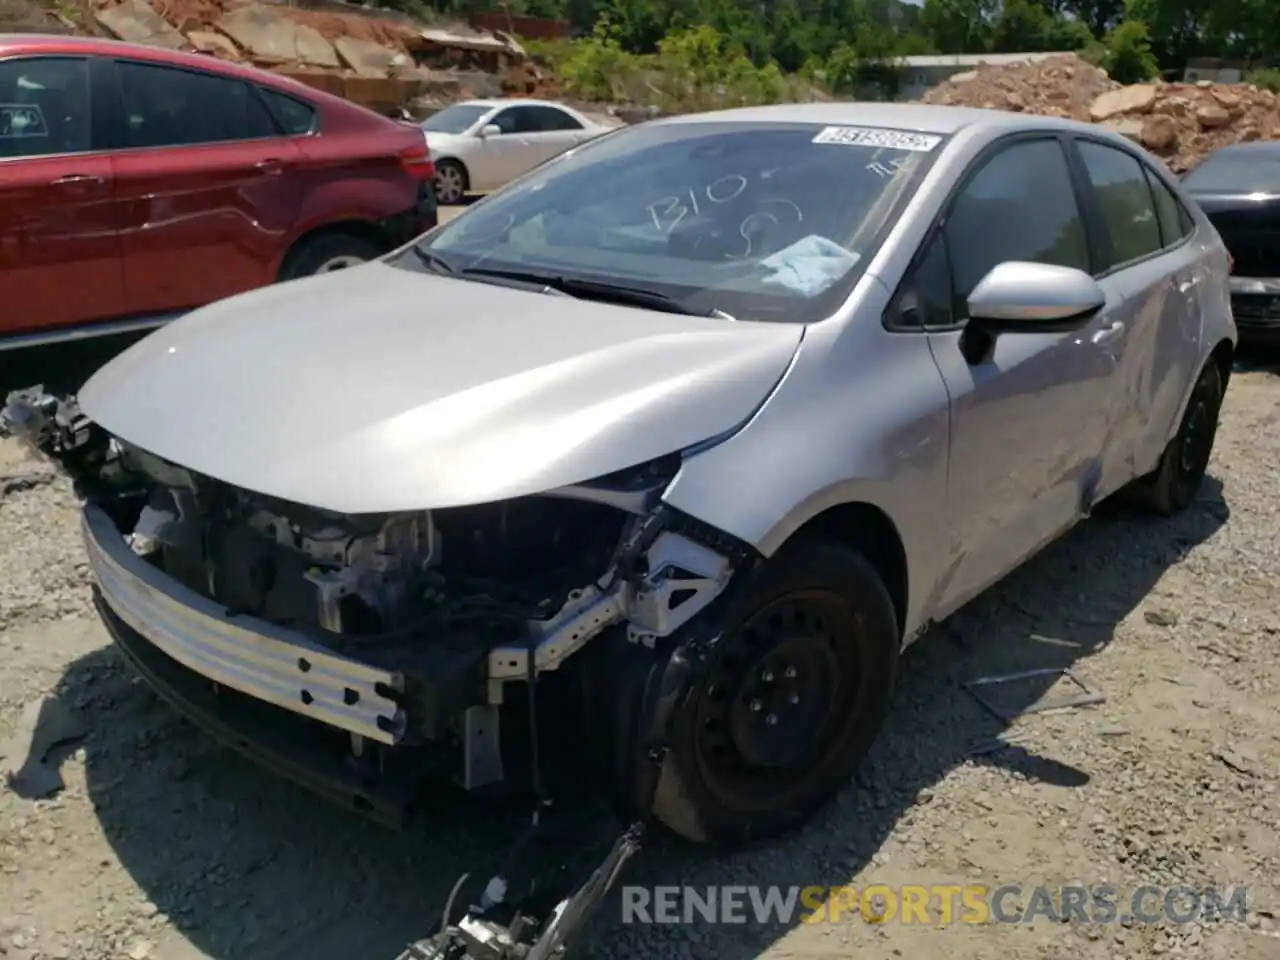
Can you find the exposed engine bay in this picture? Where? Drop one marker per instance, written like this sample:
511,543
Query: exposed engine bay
546,573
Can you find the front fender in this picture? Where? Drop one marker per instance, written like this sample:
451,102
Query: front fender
862,416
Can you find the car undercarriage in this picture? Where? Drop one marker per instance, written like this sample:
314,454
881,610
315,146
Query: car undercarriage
485,646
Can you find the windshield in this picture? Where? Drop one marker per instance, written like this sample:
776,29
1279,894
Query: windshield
765,221
1235,173
455,119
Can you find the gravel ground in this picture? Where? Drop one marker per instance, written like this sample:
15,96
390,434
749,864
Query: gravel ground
162,845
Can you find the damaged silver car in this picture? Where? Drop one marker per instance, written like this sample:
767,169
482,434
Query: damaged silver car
647,467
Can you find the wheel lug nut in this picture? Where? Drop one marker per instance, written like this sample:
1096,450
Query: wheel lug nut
771,720
756,706
767,676
790,673
793,699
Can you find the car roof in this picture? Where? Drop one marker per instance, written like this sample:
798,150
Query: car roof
926,118
510,102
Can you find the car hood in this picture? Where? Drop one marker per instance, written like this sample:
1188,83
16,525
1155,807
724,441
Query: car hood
381,389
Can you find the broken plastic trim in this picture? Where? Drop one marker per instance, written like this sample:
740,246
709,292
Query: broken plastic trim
664,574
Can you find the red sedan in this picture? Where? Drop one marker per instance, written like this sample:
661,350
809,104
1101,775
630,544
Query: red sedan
138,183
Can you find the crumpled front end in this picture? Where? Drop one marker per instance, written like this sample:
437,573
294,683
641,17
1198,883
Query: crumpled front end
368,654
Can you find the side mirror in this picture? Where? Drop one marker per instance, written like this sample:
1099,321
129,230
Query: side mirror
1022,297
490,130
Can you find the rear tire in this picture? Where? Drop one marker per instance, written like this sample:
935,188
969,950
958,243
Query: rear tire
775,722
327,252
452,182
1173,485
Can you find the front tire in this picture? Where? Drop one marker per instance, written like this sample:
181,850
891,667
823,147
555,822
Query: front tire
792,698
1176,480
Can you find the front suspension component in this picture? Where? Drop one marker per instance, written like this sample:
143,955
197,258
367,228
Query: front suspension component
545,932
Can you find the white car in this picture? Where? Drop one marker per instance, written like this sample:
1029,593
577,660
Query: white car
480,145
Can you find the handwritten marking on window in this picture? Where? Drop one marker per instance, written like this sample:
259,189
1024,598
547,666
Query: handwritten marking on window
886,168
668,212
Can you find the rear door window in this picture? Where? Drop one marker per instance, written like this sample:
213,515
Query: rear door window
1125,200
44,107
168,107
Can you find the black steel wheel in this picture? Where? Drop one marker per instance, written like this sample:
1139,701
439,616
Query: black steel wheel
1174,484
785,676
788,702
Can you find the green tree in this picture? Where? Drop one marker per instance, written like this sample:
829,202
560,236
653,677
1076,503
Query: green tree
959,26
1025,26
1129,58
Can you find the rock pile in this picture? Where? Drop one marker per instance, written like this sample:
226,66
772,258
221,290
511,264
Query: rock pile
1179,122
380,59
1183,122
1062,86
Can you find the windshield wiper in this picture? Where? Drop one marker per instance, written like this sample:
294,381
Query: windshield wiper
433,260
598,289
548,285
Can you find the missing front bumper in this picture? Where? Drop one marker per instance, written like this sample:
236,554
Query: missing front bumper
261,660
287,745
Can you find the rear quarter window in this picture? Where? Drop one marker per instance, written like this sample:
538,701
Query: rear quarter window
1174,220
295,117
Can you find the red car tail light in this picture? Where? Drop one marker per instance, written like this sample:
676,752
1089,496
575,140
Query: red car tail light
417,162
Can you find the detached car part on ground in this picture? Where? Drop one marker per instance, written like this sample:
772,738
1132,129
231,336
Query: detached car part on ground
645,469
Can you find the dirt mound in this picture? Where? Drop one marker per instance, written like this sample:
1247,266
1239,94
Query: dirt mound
1184,122
1179,122
1064,86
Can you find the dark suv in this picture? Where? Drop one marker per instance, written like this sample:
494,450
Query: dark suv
137,183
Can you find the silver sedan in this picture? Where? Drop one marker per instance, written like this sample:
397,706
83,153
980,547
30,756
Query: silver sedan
698,424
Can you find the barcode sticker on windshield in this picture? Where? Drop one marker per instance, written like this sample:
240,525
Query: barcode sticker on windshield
876,137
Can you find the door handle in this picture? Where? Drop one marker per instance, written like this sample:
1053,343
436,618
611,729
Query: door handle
272,166
1112,331
84,179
